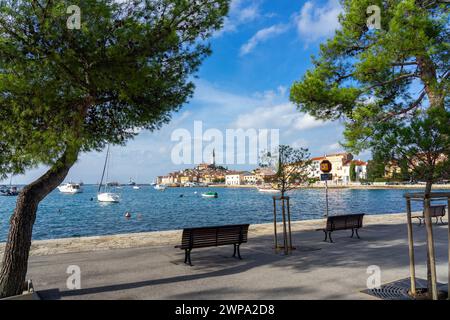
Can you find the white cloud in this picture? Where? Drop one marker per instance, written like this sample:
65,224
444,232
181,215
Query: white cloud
261,36
314,22
334,147
283,116
240,13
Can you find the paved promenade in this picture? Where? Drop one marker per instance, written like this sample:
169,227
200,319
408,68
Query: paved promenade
316,270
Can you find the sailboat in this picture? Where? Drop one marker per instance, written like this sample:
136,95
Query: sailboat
106,196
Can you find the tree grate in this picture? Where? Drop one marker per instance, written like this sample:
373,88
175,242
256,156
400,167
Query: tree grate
398,290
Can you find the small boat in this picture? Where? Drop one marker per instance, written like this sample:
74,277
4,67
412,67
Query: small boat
268,190
106,196
136,187
10,192
70,188
210,194
160,187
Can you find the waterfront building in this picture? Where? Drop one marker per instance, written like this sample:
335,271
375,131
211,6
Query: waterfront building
341,164
264,175
360,171
234,178
249,178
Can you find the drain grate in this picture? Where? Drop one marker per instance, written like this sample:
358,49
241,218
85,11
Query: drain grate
398,290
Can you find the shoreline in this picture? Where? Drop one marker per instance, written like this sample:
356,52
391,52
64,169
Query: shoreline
173,237
359,187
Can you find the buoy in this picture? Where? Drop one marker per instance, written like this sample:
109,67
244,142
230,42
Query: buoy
127,215
181,196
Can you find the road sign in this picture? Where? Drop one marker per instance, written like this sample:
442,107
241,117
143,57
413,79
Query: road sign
326,177
325,166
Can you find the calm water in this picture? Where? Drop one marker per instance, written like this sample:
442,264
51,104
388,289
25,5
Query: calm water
63,215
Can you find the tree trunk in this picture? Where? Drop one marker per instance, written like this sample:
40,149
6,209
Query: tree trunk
15,259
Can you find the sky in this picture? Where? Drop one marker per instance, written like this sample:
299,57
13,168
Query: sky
262,49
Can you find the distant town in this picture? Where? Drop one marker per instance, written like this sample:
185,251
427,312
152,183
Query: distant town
345,169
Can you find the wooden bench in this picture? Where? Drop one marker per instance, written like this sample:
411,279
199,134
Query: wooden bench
343,222
213,237
436,211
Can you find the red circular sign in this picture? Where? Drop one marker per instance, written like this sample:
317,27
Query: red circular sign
325,166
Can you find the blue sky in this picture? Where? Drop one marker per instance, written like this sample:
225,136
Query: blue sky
264,47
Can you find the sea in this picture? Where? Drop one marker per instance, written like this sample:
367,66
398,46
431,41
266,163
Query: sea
62,215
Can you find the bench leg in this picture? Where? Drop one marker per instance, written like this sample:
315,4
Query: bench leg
187,257
442,221
353,232
326,236
237,250
329,235
357,233
437,220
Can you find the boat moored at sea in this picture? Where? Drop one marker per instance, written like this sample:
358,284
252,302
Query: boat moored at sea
160,187
210,194
70,188
106,196
9,192
268,190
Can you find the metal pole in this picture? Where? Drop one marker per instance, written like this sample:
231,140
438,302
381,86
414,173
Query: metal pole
275,223
412,268
326,197
430,244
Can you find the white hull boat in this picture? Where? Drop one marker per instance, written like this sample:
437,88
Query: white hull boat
104,195
136,187
160,187
268,190
70,188
108,197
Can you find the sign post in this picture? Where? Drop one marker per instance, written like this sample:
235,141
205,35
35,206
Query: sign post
325,167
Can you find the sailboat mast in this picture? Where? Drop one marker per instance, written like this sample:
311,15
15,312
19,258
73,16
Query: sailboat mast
104,169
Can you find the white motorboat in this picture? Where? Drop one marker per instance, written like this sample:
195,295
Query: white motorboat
70,188
136,187
160,187
268,190
104,195
108,197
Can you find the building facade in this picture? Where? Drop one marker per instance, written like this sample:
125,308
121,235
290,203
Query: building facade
234,179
